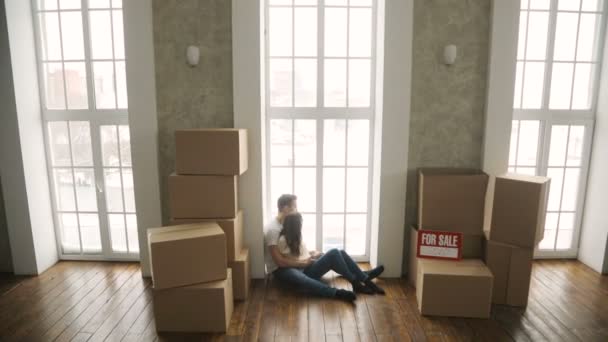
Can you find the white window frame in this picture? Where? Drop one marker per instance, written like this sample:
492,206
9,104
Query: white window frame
319,114
549,117
96,118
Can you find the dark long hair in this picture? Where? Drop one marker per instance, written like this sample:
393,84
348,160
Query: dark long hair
292,230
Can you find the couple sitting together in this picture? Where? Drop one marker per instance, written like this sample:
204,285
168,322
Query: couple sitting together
288,259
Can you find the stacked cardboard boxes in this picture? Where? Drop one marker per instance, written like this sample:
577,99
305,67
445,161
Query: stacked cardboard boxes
517,226
192,284
199,264
204,189
452,200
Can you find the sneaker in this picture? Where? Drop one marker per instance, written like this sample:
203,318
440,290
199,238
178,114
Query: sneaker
371,285
361,288
345,295
375,272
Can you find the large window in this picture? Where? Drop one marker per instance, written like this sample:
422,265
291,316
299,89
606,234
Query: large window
554,107
84,106
320,63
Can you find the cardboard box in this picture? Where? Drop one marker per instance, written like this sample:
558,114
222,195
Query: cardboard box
519,209
233,228
472,248
202,196
188,254
451,200
221,151
240,275
512,270
454,288
203,307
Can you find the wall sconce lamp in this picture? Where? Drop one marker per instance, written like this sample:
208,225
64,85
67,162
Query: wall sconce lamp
449,54
193,55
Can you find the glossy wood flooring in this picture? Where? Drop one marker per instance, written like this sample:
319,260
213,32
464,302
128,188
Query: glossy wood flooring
92,301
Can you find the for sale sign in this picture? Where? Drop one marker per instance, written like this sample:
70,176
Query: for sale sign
439,245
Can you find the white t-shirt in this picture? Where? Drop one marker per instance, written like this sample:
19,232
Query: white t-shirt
286,251
272,230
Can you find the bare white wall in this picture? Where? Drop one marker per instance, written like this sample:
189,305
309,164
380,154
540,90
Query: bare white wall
22,153
593,245
139,50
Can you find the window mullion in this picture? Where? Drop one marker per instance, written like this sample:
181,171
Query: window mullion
113,57
550,52
65,87
578,28
87,55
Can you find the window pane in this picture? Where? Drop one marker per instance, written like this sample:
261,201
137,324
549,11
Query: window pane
99,3
47,4
117,232
81,143
309,231
557,149
333,190
592,5
104,85
335,82
513,142
280,35
561,85
89,231
564,239
85,189
530,171
109,146
305,31
59,142
53,83
49,36
117,3
101,34
64,190
333,232
570,196
538,26
360,32
540,4
113,190
334,140
568,5
76,82
127,183
71,32
524,4
125,145
356,234
336,2
565,36
358,142
280,183
548,241
521,40
119,43
281,143
555,191
359,82
533,85
70,240
305,82
528,142
121,85
305,185
566,221
305,148
305,2
518,84
356,190
335,32
583,86
587,37
280,82
132,233
360,2
575,146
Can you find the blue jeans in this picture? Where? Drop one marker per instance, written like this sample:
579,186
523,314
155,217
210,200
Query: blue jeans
308,279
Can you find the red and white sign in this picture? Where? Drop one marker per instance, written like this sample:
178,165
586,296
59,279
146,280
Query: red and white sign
439,245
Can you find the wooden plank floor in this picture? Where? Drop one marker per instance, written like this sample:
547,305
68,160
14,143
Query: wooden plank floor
94,301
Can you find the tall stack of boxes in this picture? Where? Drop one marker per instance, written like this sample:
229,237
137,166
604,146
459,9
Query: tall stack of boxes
206,233
517,226
496,264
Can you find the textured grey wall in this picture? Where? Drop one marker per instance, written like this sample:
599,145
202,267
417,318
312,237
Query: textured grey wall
6,262
448,102
190,97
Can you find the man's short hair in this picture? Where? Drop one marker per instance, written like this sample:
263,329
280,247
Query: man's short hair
285,200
